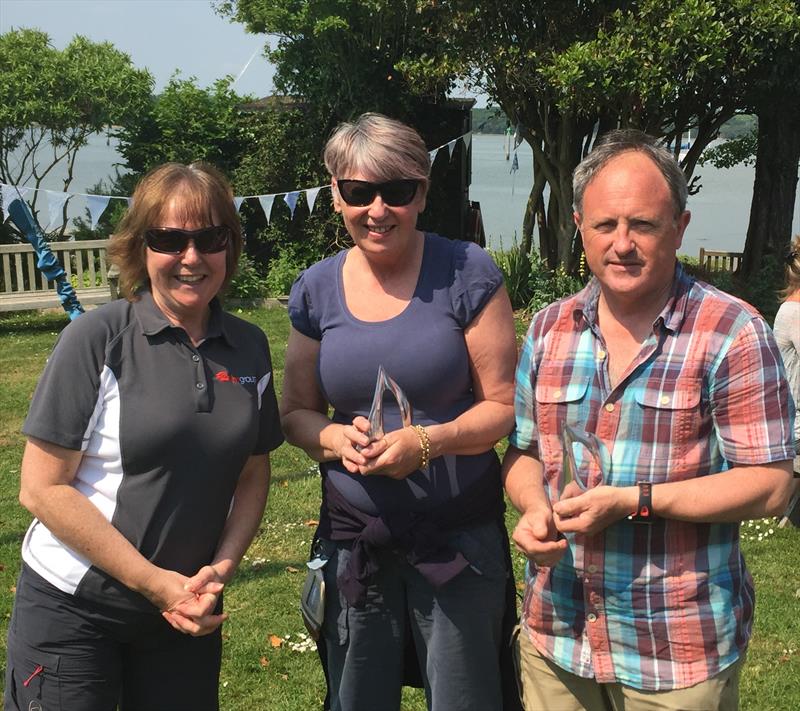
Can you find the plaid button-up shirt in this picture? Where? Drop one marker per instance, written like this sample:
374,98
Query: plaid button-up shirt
667,605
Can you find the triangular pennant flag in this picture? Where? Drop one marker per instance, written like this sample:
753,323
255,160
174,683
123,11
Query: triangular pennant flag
451,147
9,194
467,139
96,205
291,200
433,154
129,201
237,203
266,205
55,203
311,198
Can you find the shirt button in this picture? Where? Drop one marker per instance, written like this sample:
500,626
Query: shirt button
557,393
601,355
610,407
592,569
199,386
591,617
195,358
664,399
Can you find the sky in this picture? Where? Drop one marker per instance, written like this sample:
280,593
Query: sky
159,35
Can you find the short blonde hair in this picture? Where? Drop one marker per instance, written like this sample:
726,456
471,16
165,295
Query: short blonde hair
378,147
207,198
792,269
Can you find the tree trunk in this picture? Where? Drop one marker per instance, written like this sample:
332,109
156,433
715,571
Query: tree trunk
775,185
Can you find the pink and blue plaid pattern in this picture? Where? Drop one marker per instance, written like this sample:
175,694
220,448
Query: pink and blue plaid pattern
667,605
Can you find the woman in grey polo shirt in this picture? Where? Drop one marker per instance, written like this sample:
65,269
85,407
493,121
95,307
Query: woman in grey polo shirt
146,468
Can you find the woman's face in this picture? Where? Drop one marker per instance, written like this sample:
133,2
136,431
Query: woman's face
184,284
379,228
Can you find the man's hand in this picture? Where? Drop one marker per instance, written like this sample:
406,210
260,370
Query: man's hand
537,538
594,510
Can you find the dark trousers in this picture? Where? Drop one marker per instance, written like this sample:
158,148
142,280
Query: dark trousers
68,655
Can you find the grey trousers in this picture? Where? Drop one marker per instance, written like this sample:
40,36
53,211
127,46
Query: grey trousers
456,630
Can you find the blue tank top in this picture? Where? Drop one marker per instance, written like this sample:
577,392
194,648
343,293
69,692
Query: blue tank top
422,349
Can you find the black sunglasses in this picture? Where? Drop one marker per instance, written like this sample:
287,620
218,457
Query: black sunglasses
395,193
171,240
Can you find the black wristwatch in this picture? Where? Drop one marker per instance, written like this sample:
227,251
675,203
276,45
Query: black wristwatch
644,509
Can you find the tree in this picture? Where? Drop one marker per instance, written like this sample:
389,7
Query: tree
52,100
186,123
773,94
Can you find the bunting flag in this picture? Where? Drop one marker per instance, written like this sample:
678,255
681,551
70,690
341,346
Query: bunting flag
266,205
8,194
311,198
291,200
514,169
96,205
55,205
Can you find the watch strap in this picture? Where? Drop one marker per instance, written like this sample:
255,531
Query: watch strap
644,509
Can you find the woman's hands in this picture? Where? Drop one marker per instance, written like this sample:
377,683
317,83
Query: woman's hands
395,455
188,604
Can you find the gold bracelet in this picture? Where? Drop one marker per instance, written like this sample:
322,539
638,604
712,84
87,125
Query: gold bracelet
424,445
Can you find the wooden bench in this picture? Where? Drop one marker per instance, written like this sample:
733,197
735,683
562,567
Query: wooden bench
713,261
23,287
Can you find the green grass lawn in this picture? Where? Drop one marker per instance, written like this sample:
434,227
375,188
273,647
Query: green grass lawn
267,664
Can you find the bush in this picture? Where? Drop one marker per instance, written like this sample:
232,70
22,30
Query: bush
249,282
530,284
283,270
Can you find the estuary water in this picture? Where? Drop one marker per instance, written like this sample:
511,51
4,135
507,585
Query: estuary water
720,210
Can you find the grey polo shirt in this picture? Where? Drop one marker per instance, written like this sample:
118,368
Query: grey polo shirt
165,428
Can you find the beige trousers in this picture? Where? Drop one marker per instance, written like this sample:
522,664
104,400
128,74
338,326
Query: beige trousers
548,687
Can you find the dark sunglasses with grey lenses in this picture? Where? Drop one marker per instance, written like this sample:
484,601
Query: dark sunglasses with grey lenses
395,193
171,240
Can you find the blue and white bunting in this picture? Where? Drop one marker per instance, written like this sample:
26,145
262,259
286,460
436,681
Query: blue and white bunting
266,205
55,205
96,204
291,200
311,198
237,203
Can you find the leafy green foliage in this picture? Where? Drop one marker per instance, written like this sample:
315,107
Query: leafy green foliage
531,285
186,123
51,101
249,280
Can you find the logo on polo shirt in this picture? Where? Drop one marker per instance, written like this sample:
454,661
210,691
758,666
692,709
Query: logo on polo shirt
224,376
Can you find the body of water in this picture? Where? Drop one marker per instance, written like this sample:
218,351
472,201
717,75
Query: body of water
720,211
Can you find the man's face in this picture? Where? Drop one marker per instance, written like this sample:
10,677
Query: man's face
630,230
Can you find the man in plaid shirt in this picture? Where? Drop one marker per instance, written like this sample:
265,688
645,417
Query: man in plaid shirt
638,596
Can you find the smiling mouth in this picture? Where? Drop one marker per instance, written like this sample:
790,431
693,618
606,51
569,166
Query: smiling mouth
190,278
379,229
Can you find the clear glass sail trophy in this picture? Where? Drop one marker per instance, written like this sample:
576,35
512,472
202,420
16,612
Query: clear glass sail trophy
382,384
592,447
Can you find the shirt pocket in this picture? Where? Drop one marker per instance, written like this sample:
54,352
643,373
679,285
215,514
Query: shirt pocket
672,426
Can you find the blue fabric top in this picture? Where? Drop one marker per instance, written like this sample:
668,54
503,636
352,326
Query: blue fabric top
422,349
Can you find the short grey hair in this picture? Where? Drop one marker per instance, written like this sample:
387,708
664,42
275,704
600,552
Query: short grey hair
621,141
380,148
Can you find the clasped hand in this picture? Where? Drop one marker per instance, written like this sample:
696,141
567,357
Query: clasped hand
188,604
395,455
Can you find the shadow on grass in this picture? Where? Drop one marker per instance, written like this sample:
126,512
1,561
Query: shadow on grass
248,572
31,321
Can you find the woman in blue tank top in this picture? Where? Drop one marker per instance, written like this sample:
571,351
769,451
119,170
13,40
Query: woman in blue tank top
411,524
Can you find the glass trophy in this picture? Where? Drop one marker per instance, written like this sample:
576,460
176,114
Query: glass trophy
570,469
382,384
